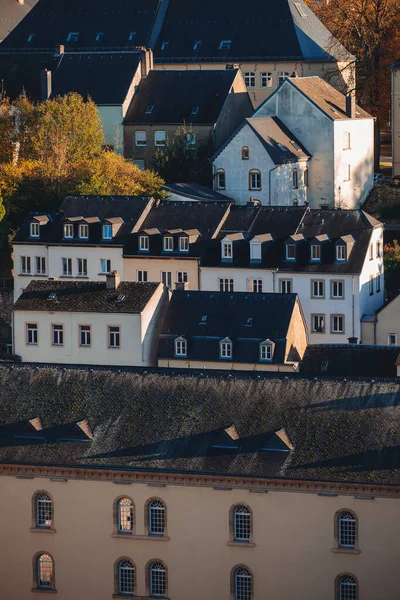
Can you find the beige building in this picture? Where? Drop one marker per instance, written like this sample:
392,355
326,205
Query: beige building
383,327
145,493
396,117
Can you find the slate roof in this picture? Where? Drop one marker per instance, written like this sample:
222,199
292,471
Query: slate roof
85,296
350,360
104,76
247,319
280,143
282,223
194,191
174,94
144,419
11,13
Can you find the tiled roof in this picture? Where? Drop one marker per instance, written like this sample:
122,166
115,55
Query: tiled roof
85,296
195,191
12,13
247,319
148,419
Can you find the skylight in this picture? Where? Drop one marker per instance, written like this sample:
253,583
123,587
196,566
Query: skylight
203,320
324,365
73,36
195,110
52,296
197,45
249,322
121,298
149,109
31,37
225,44
300,10
99,36
165,46
132,36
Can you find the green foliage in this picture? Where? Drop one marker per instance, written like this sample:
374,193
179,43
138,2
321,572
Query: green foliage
391,262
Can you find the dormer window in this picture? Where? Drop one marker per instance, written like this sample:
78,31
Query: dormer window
245,153
225,44
83,231
144,243
73,36
183,244
315,252
34,230
266,351
68,231
225,349
168,243
340,253
226,250
107,232
180,347
290,252
255,251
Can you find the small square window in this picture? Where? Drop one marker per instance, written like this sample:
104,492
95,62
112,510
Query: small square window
281,76
266,80
73,36
140,164
250,79
392,339
142,276
257,286
181,277
226,285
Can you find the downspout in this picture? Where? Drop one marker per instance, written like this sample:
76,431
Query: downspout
269,181
352,306
198,275
13,332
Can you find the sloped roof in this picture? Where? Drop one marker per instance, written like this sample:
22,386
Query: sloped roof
85,296
12,13
174,94
194,191
158,419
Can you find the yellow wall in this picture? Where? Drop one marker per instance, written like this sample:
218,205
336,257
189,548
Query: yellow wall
293,534
387,321
154,267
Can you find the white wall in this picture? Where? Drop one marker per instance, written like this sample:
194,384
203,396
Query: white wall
370,303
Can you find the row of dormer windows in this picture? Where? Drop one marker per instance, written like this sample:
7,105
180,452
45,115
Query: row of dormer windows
69,231
290,251
266,349
168,243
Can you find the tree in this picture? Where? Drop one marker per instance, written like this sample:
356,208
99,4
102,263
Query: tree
391,262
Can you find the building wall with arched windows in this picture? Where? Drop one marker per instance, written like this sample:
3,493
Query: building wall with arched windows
293,550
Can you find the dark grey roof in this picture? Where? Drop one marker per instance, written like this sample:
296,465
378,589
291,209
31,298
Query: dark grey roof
174,94
350,360
144,419
85,296
195,191
247,319
280,143
11,13
104,76
395,65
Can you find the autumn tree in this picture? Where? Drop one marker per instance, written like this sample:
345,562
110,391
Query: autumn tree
391,262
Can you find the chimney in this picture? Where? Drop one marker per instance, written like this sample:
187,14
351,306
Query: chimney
182,285
59,50
146,62
45,85
113,280
21,2
351,105
353,340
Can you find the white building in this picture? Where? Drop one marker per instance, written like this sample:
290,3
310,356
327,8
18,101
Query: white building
336,133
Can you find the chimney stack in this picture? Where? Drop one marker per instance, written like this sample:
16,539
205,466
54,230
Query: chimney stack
45,85
59,50
113,280
351,105
353,340
146,61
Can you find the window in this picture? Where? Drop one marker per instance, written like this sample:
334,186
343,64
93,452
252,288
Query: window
245,153
84,336
281,76
227,250
318,323
181,276
340,253
132,36
315,252
337,324
82,267
157,580
66,264
346,173
295,179
183,244
58,335
31,37
378,283
164,45
99,36
168,243
337,289
141,138
378,249
144,243
346,140
73,36
107,232
265,352
220,179
125,515
45,572
305,177
83,231
290,252
34,230
317,288
25,265
166,278
126,577
68,231
295,202
140,164
160,138
180,347
285,286
156,517
43,508
347,530
241,524
113,337
195,110
371,285
191,141
392,339
250,79
225,44
242,584
371,252
105,266
266,80
347,588
40,265
142,276
255,251
254,180
225,349
149,109
197,45
257,286
31,334
225,285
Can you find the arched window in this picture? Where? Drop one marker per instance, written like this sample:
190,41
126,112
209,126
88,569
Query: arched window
295,179
126,577
305,177
242,584
156,517
157,579
295,202
43,510
347,588
44,572
255,179
125,515
347,529
220,179
241,523
245,153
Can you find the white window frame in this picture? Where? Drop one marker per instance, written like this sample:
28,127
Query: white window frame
255,180
66,266
347,529
318,288
257,286
266,79
394,335
81,267
181,276
346,140
220,178
340,318
25,265
166,278
57,335
281,76
291,258
250,79
160,138
336,284
316,325
181,347
341,251
105,262
227,250
157,580
40,265
32,334
141,138
315,254
225,350
284,284
34,229
168,243
141,276
83,231
266,352
183,244
68,231
114,336
226,284
144,243
241,524
85,333
107,232
255,251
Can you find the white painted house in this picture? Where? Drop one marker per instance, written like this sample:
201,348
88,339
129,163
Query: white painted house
337,134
